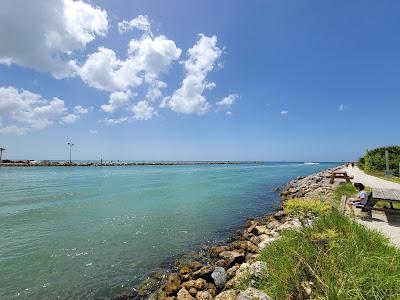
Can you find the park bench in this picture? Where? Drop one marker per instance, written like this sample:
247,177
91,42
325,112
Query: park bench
339,175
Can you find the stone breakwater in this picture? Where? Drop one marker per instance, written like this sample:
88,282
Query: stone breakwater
47,163
216,272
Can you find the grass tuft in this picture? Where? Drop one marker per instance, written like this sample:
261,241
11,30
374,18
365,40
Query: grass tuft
336,258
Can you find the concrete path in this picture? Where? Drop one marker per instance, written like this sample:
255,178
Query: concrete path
371,181
387,224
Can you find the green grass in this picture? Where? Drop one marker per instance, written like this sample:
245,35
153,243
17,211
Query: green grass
336,258
347,189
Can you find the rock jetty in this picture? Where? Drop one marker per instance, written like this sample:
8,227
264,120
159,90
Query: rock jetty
217,272
48,163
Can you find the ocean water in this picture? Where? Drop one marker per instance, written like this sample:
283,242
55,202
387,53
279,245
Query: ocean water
85,233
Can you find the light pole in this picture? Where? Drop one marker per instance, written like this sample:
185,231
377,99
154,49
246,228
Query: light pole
1,153
70,148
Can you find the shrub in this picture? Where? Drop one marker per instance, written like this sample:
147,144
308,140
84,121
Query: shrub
374,160
306,207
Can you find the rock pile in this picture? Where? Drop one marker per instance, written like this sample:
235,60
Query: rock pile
311,186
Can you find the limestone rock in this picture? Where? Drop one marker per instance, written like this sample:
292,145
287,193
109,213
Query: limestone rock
212,289
231,272
253,294
200,284
232,257
219,276
227,295
172,284
183,294
203,295
215,251
257,269
265,243
204,272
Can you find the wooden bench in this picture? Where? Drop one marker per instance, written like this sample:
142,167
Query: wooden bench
339,175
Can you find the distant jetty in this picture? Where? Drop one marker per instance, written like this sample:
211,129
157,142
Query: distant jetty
48,163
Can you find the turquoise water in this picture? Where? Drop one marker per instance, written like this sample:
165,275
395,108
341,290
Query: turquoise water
83,232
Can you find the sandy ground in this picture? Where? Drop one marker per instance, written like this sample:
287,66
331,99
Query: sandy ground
387,224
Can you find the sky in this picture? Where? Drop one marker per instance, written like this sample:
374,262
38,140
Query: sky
199,80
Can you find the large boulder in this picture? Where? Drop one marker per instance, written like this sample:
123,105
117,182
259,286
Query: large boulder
203,295
172,284
215,251
232,257
204,272
245,246
253,294
183,294
227,295
200,284
219,276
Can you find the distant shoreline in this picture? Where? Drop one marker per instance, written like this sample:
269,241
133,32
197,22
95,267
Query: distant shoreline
47,163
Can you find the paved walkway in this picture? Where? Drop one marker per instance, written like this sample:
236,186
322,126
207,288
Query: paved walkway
371,181
387,224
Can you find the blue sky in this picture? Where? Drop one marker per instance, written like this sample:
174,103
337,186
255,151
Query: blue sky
238,80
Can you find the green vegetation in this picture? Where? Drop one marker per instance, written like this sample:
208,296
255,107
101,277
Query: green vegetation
306,207
374,160
347,189
336,258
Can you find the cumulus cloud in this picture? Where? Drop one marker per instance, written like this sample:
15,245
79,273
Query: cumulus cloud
44,34
22,111
284,112
202,57
148,57
228,101
140,23
143,111
117,100
92,131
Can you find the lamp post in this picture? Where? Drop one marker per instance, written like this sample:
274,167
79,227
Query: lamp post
70,148
1,153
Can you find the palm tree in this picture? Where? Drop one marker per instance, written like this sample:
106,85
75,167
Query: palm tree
1,152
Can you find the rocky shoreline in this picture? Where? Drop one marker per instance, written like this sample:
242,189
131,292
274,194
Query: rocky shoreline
216,272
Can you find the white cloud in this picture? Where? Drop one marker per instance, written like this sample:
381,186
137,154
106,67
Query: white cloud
342,107
92,131
71,118
228,101
154,92
284,112
80,110
202,57
22,111
44,34
141,23
117,100
228,113
111,121
142,111
148,57
103,71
